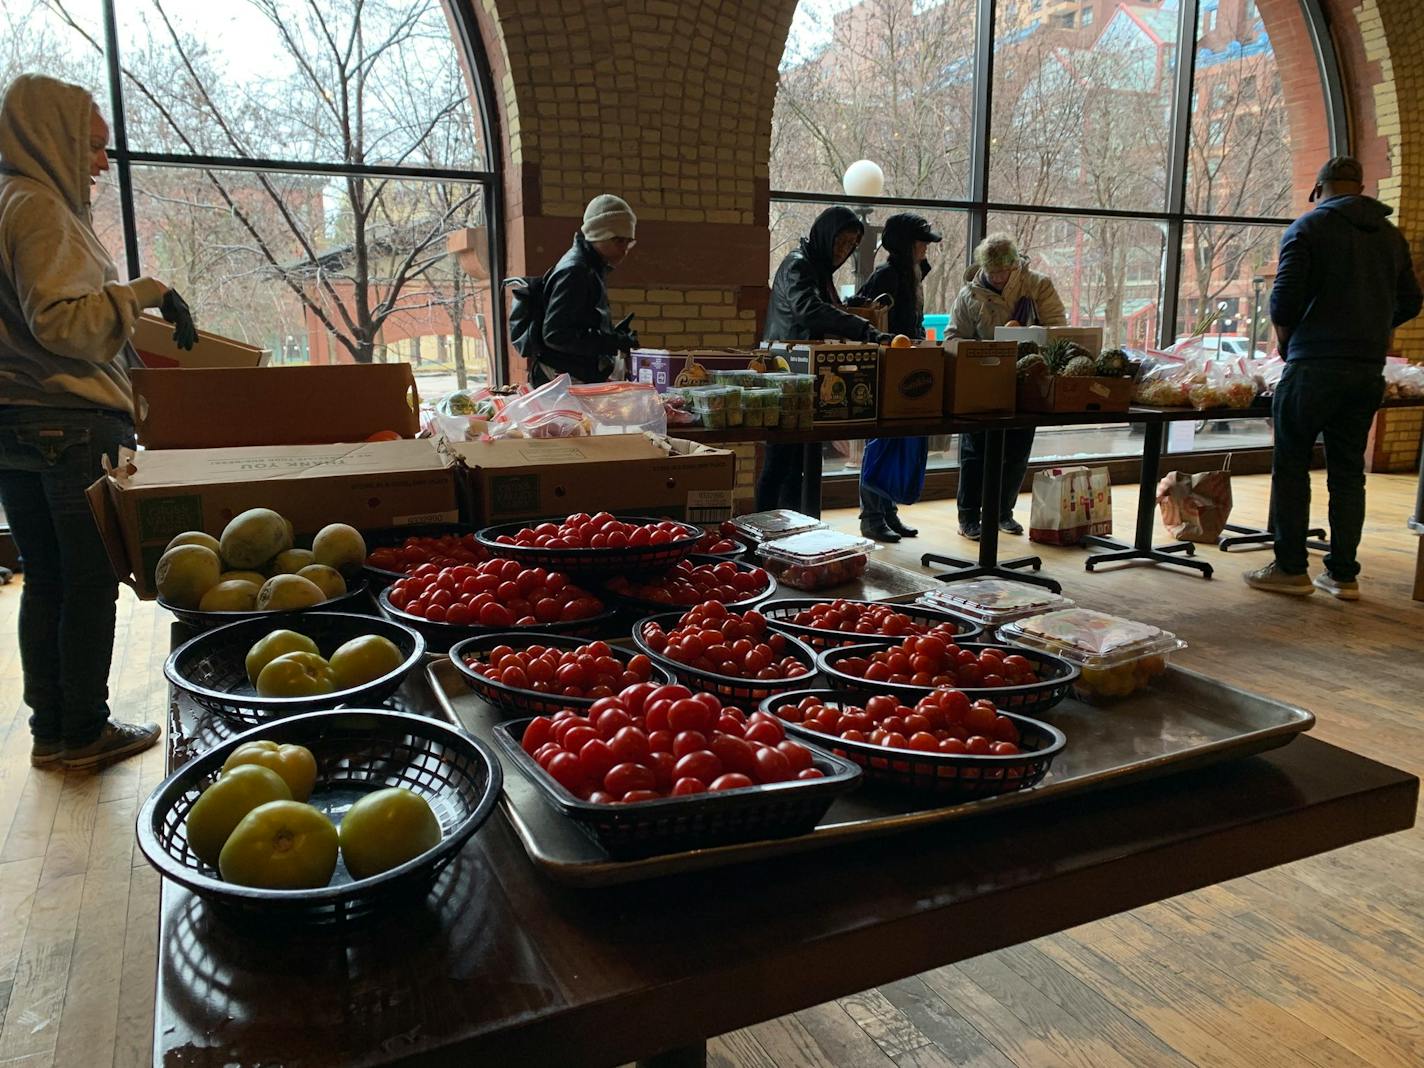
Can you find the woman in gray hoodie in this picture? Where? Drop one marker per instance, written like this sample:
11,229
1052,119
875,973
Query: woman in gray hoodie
65,405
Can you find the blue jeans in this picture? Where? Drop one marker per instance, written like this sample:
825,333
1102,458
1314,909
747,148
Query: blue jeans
1018,446
1336,398
48,458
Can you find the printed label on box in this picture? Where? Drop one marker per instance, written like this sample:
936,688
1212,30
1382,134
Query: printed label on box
452,516
709,506
513,493
164,517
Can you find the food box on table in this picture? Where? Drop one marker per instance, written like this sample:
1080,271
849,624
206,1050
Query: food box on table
221,407
1058,393
153,341
980,376
632,474
847,378
664,369
816,559
912,382
151,496
1117,656
1088,337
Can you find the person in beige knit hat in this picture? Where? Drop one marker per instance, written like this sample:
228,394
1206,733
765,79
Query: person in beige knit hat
580,338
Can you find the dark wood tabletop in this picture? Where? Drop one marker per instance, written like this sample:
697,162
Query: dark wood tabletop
501,966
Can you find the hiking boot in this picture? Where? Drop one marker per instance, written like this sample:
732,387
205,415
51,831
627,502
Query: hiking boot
118,740
1341,591
970,528
1275,580
46,754
1011,526
878,529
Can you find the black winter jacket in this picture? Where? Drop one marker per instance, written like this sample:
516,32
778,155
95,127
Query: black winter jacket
804,304
894,277
578,333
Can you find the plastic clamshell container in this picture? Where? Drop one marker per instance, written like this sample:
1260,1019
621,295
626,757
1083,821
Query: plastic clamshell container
714,398
758,397
816,559
790,382
777,523
994,601
1117,656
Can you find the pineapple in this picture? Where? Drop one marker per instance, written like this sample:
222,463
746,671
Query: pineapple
1078,367
1112,363
1058,354
1028,366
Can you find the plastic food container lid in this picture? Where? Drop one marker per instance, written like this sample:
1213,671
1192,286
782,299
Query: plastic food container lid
815,547
994,600
777,523
1090,639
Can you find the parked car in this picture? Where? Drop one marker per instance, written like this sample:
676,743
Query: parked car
1218,346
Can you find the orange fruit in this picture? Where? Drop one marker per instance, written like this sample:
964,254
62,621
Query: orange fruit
900,341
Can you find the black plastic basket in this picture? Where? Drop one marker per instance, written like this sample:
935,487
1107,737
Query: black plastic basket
211,667
388,537
440,636
698,821
779,614
964,776
1056,679
356,598
357,751
521,702
729,688
633,559
753,601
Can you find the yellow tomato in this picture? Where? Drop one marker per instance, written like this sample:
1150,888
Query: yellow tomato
385,829
294,763
277,643
365,659
282,845
296,675
223,805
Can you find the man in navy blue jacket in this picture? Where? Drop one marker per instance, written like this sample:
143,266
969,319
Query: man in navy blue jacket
1344,282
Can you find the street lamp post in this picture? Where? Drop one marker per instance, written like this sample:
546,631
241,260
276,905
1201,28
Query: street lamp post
864,178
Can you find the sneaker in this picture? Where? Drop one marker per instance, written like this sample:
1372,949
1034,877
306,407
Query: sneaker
119,740
1275,580
46,754
970,529
1343,591
1011,526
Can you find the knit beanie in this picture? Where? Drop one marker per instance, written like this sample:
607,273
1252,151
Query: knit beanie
607,217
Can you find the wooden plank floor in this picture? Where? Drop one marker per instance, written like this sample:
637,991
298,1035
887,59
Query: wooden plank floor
1316,965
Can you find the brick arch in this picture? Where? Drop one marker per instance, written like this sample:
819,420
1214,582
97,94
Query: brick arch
1300,84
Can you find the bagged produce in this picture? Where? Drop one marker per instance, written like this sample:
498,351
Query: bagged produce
895,467
1218,384
1163,383
550,411
462,414
1403,381
1195,507
1069,504
623,406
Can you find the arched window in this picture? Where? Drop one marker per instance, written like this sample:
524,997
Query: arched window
315,176
1146,153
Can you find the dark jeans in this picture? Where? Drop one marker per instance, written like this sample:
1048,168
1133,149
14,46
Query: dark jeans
48,458
1018,444
779,485
876,505
1336,398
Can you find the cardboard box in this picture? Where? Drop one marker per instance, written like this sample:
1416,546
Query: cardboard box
1054,393
662,368
847,378
1037,334
979,376
633,474
153,341
1090,337
912,382
153,495
214,408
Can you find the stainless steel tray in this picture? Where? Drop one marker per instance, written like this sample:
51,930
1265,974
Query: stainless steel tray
1183,721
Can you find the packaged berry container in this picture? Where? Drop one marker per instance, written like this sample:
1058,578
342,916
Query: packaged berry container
714,398
1117,656
817,559
994,601
777,523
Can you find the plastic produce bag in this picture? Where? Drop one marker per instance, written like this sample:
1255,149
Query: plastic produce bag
625,407
550,411
1403,381
1069,504
1218,384
1195,507
1163,383
895,467
464,413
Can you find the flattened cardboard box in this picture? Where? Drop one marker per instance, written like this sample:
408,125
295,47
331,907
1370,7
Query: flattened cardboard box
153,495
153,341
218,408
633,474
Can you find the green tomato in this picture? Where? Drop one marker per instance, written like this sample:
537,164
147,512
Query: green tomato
365,659
296,675
294,763
385,829
282,845
222,806
278,643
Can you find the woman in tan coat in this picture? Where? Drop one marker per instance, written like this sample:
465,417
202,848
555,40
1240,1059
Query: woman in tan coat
998,289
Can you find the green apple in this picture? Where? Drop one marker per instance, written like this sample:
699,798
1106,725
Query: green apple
296,675
365,659
385,829
275,644
222,806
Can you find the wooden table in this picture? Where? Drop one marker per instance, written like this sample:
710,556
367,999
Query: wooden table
502,967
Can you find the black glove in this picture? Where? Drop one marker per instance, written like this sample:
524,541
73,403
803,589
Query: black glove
624,323
174,309
627,339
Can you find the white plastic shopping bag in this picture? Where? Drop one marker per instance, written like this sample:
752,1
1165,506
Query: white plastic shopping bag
1070,503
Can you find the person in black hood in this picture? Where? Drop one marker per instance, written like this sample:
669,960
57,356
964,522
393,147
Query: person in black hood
805,307
1345,280
907,238
580,338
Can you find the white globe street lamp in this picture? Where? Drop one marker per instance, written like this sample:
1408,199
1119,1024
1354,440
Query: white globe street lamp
863,178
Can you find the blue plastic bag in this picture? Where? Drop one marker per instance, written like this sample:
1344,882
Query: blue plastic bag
895,467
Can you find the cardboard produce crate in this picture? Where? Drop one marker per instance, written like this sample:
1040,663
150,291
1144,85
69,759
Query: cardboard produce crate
214,408
847,378
153,495
1090,337
153,341
1054,393
980,376
912,382
631,474
662,368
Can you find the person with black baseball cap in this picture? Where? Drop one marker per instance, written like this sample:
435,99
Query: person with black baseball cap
907,238
1345,280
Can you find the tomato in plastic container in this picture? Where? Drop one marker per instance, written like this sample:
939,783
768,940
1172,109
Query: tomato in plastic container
817,559
1117,656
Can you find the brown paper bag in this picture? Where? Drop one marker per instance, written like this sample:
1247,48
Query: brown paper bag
1195,507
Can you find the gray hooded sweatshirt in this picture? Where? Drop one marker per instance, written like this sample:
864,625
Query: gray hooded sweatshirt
65,318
